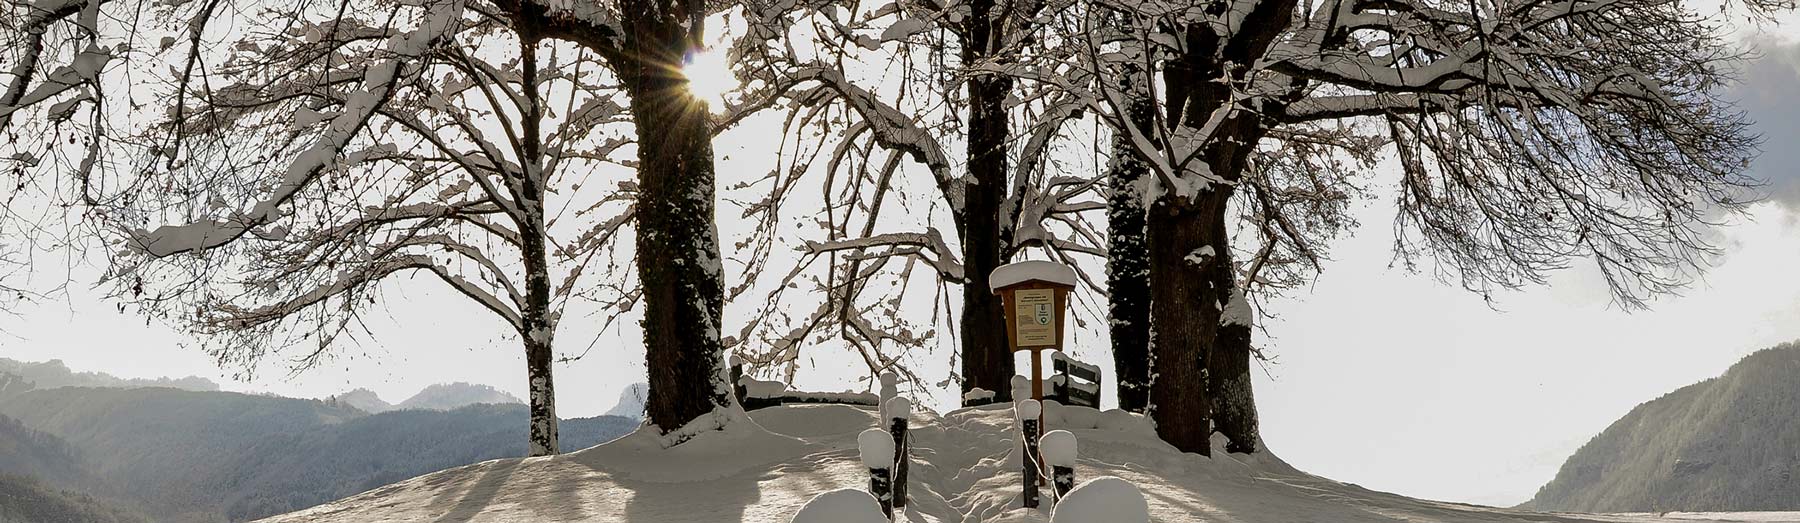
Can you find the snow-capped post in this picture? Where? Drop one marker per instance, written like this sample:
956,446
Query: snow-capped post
737,378
1106,498
890,387
1058,447
841,506
1033,295
899,410
877,449
1030,412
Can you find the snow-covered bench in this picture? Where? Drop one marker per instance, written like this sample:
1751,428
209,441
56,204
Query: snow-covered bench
1073,382
755,394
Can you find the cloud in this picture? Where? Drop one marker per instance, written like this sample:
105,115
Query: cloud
1769,95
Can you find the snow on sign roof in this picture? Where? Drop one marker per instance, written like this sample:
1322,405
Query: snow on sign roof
1020,272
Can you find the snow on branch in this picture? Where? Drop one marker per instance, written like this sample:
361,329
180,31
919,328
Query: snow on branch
233,318
380,83
891,128
932,240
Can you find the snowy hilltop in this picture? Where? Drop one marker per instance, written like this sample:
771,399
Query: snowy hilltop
965,469
364,399
631,401
449,396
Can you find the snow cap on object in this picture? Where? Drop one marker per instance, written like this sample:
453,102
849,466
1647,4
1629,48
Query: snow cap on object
1103,500
1019,272
898,408
888,378
1021,387
1058,447
1028,409
846,505
877,448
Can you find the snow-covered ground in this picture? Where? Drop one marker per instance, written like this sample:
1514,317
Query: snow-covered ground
965,470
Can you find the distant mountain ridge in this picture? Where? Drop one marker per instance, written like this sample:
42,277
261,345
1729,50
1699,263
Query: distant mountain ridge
17,376
207,457
1730,443
441,396
446,396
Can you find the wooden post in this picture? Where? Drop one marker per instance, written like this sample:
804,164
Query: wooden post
899,410
1028,412
881,484
878,455
1064,479
1058,448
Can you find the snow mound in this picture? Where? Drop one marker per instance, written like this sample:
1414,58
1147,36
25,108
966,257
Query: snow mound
741,444
841,506
817,420
1103,500
1058,447
965,469
1029,409
1020,272
898,408
877,448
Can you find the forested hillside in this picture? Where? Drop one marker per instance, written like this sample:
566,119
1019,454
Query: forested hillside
1730,443
25,500
217,456
46,456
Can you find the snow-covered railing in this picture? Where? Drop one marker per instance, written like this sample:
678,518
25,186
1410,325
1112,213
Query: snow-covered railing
1074,383
756,394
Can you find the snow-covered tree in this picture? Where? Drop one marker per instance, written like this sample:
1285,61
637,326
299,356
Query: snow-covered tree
332,151
876,89
337,147
1529,133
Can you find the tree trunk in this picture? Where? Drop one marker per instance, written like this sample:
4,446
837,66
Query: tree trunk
538,359
1185,319
987,362
1202,365
677,242
539,330
1127,251
1228,372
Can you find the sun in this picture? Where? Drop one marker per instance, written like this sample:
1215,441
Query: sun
709,76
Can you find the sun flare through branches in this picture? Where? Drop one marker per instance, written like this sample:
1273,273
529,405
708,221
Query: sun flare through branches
709,76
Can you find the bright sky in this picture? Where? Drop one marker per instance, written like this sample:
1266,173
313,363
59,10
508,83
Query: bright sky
1386,379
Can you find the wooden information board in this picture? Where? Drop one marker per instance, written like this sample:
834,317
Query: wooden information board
1036,314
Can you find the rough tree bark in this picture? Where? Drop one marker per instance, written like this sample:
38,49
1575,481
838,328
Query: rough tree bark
677,243
987,363
539,327
1127,251
1202,371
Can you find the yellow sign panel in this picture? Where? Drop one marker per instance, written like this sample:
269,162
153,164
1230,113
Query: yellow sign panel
1035,317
